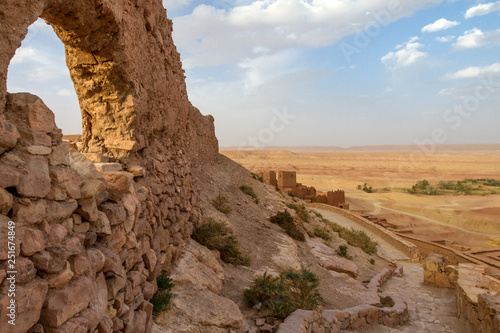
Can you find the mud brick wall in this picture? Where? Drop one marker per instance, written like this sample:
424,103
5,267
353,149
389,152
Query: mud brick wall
92,238
287,179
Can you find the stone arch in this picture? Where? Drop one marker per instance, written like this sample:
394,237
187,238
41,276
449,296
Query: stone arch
125,69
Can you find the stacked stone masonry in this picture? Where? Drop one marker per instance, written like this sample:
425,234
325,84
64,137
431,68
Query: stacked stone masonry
333,321
92,238
478,300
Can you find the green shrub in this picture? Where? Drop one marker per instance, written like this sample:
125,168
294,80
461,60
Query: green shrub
221,203
231,253
301,211
372,261
280,296
213,235
356,238
249,191
285,221
162,298
317,214
342,251
322,232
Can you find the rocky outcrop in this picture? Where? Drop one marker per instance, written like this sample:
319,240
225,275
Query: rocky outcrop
92,238
197,304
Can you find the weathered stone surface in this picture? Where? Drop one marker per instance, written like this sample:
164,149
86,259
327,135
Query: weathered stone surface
58,211
60,154
67,180
201,308
57,234
96,259
29,302
119,183
60,279
108,167
97,305
39,150
200,268
9,176
6,201
29,212
36,181
63,304
33,241
101,225
116,213
87,208
330,260
8,135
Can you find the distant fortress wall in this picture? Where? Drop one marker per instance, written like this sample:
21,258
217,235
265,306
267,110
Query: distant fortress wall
287,182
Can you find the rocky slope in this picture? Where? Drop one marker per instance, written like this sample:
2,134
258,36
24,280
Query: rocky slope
218,286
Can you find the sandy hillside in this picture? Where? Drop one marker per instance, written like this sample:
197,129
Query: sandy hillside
472,221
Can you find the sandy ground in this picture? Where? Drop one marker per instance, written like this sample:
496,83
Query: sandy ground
472,221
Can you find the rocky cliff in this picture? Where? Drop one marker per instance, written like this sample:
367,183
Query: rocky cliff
90,239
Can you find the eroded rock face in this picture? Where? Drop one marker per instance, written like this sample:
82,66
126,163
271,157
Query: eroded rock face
93,240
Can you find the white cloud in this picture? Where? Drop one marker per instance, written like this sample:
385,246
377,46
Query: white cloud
23,54
65,92
39,65
482,9
264,68
473,72
439,25
174,4
476,38
406,55
211,36
445,39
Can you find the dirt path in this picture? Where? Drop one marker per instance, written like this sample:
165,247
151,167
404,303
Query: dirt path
431,309
379,207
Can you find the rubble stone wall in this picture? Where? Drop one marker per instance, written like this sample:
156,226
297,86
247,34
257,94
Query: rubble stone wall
94,230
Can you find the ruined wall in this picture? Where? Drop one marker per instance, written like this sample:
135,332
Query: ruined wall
270,178
90,241
335,198
287,179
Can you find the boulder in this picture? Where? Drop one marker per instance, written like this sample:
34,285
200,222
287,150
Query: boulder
119,182
198,267
330,260
201,309
67,180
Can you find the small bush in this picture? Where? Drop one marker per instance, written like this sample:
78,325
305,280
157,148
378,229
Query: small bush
342,251
213,235
231,253
322,232
355,238
317,214
162,298
301,211
249,191
221,203
280,296
285,221
372,261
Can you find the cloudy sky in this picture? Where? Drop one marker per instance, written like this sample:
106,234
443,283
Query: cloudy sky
317,72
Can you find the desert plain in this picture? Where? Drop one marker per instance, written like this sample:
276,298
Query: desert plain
468,222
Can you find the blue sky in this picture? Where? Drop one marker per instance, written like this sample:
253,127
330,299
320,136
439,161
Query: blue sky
317,72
